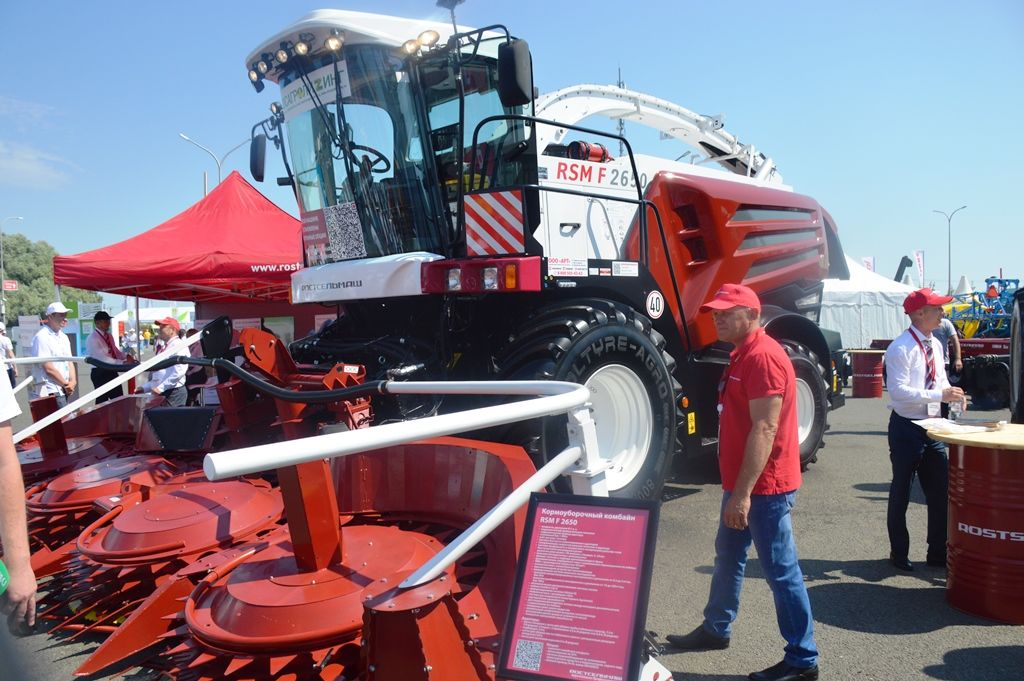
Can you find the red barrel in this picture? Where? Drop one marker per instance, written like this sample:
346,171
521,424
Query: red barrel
867,372
986,523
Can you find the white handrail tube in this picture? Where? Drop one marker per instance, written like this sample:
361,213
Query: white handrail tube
88,397
473,534
559,397
44,360
24,384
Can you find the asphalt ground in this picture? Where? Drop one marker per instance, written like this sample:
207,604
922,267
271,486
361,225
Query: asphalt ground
871,622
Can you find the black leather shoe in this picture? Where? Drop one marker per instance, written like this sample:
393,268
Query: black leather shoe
785,672
901,563
698,639
936,561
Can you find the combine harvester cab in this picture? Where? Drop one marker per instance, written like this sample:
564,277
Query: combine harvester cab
466,235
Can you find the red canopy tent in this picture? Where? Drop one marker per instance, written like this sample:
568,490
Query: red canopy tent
234,245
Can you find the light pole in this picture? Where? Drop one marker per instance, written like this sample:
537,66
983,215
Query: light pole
218,161
949,245
3,272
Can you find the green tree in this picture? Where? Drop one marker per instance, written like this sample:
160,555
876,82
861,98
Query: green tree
30,263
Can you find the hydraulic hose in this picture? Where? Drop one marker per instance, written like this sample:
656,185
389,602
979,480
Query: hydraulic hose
254,381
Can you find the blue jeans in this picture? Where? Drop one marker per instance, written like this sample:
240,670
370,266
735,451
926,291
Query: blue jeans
771,531
914,454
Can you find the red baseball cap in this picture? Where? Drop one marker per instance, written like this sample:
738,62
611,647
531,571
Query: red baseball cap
169,321
922,297
730,296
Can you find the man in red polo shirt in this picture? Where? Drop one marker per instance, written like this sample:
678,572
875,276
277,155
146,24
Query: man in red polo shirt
759,458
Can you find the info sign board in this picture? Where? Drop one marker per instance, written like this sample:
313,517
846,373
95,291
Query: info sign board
579,603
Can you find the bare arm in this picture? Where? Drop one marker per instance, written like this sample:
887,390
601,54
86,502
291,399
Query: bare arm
764,417
51,369
21,592
954,356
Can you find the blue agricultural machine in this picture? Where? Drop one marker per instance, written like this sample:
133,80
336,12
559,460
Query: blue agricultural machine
984,319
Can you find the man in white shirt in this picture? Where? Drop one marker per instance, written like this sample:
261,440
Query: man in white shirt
917,383
169,382
101,345
53,378
7,350
19,602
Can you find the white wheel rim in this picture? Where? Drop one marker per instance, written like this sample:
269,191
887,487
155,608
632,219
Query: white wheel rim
622,414
804,409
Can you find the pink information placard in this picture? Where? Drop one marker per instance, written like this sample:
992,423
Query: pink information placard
580,599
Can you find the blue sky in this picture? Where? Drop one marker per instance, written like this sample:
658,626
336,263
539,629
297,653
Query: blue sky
881,111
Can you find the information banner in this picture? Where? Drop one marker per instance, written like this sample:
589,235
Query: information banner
282,327
88,310
579,603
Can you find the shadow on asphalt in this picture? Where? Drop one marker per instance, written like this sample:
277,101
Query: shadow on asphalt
916,495
671,492
690,676
887,610
872,571
1000,662
882,487
881,433
872,607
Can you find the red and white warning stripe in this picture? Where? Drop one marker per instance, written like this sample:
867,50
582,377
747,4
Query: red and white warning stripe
494,223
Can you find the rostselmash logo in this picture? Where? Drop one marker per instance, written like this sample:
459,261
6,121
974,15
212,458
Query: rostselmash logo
332,285
988,533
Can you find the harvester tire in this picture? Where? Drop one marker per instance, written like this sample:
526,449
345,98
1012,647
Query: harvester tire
615,351
812,401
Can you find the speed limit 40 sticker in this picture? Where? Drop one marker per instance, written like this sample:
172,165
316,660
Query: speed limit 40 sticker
655,304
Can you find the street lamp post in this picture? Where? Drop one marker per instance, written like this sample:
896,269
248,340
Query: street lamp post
949,244
3,272
219,161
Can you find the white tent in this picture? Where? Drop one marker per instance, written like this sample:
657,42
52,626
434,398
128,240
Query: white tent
864,307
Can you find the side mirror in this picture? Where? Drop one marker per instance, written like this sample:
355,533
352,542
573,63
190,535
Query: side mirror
258,156
515,73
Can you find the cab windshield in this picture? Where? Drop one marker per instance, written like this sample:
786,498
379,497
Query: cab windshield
494,162
359,168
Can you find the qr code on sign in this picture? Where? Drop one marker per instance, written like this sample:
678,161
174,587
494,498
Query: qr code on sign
528,655
344,232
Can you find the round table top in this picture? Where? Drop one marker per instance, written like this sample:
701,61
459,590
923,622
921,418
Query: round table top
1010,436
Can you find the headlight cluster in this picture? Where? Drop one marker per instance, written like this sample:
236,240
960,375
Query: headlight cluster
259,69
334,42
427,39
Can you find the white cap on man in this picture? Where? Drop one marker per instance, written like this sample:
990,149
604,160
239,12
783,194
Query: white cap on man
56,308
3,327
